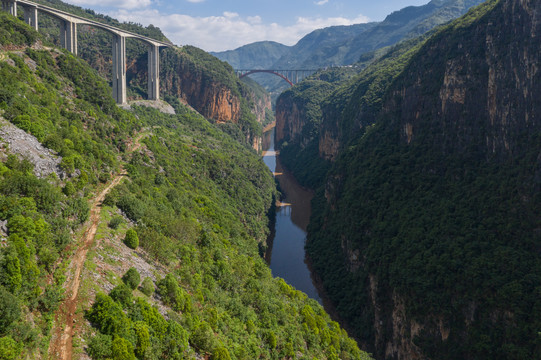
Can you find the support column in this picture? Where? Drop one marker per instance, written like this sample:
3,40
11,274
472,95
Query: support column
119,69
31,16
153,72
68,36
10,6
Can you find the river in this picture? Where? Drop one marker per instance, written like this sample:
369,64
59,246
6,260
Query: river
286,244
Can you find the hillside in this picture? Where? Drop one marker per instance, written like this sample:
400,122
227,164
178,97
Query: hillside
172,266
425,228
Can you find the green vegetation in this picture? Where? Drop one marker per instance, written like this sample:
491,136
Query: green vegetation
66,105
131,239
198,199
436,228
147,287
132,278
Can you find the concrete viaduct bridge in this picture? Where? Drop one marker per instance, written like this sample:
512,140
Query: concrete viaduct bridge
291,76
68,40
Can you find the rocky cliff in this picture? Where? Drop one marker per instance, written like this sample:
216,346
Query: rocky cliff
214,100
486,96
428,226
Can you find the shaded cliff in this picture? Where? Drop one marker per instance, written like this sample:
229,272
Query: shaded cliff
428,225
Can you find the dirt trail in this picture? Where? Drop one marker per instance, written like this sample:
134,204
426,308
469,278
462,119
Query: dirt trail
61,343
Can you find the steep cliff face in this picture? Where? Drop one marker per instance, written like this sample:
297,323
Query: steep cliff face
214,97
485,97
289,119
299,109
428,228
262,107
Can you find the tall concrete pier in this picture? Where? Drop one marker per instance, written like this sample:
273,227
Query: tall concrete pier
68,40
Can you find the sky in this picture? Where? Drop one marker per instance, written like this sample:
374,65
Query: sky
218,25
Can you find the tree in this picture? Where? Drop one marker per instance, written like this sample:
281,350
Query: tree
132,239
147,286
132,278
9,309
9,349
221,353
143,339
12,275
122,294
122,349
99,347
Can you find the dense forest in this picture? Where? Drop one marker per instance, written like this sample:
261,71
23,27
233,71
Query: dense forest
425,228
176,268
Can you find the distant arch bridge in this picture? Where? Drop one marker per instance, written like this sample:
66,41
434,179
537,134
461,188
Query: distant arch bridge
291,76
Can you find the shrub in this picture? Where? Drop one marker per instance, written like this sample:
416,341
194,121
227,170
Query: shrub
221,353
122,349
147,286
122,294
131,240
99,347
115,223
9,349
69,189
132,278
172,294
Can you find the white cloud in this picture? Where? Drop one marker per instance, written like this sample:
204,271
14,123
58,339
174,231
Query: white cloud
254,19
122,4
230,30
230,15
322,2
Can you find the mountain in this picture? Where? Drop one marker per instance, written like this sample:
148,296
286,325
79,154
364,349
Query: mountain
344,45
258,55
137,233
425,228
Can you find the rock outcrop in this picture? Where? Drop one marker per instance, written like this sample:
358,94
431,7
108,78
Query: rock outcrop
26,146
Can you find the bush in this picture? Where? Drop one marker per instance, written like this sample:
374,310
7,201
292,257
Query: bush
122,349
221,353
147,286
69,189
9,349
122,294
115,223
173,295
99,347
132,278
131,240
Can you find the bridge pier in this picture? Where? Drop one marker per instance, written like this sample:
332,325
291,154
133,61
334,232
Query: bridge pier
68,36
153,72
10,6
31,16
119,69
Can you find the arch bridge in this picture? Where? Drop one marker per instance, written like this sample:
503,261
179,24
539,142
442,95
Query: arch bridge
68,40
291,76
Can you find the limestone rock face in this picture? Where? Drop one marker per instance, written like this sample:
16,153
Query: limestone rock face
487,89
212,100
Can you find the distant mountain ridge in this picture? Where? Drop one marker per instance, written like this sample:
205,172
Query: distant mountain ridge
258,55
344,45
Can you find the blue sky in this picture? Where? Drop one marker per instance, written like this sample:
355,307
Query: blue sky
215,25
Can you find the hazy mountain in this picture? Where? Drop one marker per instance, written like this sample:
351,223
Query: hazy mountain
258,55
344,45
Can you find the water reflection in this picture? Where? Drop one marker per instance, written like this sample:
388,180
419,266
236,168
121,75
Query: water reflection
287,257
